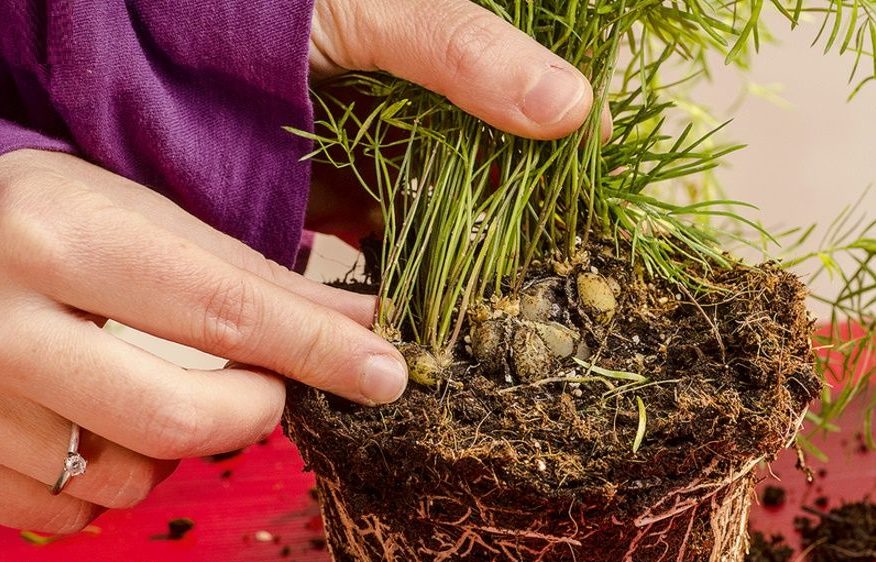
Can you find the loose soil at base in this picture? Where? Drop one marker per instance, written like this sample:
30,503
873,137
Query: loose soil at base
728,374
772,549
845,534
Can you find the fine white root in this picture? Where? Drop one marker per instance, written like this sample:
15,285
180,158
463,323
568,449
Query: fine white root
471,519
723,505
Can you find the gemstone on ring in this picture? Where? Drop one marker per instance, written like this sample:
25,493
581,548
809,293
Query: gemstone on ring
75,464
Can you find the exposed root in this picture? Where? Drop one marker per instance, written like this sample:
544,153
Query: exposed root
467,523
352,537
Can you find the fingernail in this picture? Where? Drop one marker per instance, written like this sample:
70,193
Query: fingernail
384,379
557,92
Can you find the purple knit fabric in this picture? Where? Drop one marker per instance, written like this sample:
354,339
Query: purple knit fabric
186,97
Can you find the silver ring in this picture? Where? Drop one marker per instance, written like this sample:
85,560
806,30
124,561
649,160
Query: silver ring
74,464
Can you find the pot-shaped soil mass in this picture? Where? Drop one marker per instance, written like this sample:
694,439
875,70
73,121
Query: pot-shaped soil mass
599,417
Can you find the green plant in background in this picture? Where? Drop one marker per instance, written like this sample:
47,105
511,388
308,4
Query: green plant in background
847,357
469,209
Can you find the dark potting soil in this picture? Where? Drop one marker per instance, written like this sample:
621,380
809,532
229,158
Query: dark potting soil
845,534
728,375
176,529
773,497
773,549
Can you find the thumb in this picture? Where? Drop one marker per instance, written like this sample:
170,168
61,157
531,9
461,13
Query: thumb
481,63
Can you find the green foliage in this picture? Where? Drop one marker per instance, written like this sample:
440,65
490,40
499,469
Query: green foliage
847,345
468,208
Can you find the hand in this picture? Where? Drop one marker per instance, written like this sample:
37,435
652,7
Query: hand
481,63
78,245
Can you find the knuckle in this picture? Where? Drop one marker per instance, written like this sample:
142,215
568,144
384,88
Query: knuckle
22,215
173,430
250,260
310,353
48,217
80,516
469,44
71,518
129,485
233,313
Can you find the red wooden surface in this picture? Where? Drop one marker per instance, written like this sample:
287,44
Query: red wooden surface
848,476
262,489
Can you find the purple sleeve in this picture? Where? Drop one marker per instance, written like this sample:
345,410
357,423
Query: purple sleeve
14,137
188,98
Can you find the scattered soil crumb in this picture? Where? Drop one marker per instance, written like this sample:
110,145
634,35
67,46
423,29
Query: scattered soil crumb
769,550
176,529
264,536
774,497
845,534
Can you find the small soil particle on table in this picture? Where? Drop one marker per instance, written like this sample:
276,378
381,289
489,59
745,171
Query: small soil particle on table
845,534
774,497
773,549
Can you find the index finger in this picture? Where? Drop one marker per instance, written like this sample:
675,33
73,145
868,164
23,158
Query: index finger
166,214
85,252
